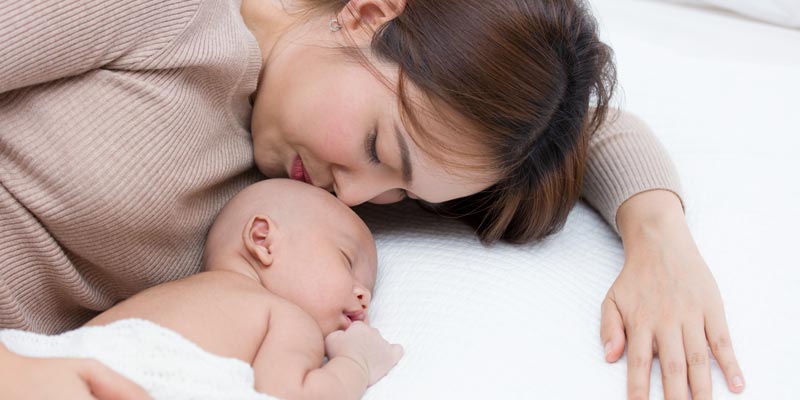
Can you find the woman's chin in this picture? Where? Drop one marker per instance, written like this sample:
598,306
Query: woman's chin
270,169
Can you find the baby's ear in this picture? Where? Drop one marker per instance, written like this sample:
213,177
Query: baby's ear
258,237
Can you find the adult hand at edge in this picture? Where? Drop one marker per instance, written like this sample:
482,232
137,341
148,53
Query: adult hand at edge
665,301
60,378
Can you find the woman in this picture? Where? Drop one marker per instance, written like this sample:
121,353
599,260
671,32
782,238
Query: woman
126,127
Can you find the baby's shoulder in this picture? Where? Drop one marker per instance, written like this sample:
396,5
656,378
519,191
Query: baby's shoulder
287,317
240,285
281,308
232,291
251,298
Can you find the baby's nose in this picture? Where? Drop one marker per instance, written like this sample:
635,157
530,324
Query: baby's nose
363,296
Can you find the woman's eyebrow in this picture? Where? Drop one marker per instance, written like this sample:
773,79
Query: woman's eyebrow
405,156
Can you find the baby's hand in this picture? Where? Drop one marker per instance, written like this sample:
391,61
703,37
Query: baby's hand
364,345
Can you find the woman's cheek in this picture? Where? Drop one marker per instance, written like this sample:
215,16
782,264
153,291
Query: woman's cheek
337,145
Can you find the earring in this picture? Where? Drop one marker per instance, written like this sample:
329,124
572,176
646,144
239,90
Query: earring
334,25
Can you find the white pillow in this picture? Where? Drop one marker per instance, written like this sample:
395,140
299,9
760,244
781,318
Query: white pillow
781,12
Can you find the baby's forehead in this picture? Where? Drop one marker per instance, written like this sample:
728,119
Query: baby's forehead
350,234
346,229
319,213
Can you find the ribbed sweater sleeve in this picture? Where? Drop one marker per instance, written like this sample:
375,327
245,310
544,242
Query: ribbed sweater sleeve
625,158
110,178
44,40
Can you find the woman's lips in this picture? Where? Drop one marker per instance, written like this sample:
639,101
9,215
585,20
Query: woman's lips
299,172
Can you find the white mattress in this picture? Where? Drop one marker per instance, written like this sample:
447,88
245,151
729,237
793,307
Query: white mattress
522,321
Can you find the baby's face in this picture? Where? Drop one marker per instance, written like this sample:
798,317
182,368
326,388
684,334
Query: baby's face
325,262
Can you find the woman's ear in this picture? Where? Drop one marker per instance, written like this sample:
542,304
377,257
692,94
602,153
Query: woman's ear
258,236
369,15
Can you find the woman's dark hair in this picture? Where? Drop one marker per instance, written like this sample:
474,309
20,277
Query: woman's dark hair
533,82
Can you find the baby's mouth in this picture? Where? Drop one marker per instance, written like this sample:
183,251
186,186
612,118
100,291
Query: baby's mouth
356,316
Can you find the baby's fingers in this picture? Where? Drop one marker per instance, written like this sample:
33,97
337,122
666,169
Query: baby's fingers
397,352
612,330
720,341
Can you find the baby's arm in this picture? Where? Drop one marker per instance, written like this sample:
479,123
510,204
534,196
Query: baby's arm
289,363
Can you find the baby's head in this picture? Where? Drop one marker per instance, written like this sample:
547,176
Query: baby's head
303,244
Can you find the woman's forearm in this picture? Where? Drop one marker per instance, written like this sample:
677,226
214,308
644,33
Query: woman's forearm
4,352
650,217
625,158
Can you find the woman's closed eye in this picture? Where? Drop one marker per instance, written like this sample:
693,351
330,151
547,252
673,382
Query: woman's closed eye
371,145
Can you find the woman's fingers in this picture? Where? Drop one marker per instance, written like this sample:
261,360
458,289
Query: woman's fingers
720,341
640,359
612,330
105,384
697,361
673,364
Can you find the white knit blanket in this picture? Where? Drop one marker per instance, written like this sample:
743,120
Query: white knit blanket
164,363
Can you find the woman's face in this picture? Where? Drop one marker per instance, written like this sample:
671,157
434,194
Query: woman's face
326,119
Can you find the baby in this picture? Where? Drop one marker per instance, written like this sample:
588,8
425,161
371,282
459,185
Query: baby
289,272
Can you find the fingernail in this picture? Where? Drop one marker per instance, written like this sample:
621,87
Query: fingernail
738,382
608,348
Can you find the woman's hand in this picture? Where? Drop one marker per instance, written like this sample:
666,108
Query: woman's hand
53,378
665,301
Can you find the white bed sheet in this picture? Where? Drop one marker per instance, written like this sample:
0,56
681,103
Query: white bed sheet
511,322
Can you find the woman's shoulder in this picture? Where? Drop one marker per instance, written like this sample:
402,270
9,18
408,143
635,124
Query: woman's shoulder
46,40
182,33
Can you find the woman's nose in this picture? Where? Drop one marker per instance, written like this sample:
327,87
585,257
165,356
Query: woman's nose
354,189
349,195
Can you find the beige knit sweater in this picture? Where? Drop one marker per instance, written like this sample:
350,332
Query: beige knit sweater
124,129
